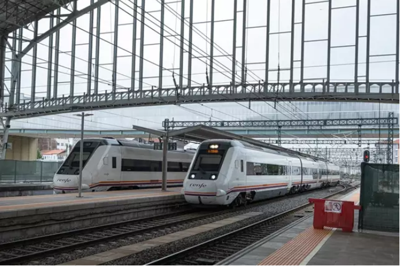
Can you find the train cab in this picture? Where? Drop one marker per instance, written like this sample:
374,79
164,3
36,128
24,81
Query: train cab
206,181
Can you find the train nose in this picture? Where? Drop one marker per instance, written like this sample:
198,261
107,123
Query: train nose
202,192
66,183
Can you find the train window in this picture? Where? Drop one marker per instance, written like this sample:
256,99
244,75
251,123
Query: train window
114,162
249,168
296,170
174,167
140,165
258,169
265,169
273,169
305,171
241,166
185,167
74,159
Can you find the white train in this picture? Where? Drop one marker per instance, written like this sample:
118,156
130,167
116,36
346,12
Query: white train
111,163
226,172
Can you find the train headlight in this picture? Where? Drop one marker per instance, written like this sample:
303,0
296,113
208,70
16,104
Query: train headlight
213,177
214,146
192,176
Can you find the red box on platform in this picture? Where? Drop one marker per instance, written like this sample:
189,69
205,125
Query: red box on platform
334,213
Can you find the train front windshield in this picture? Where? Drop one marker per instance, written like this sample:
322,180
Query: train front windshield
74,158
207,165
208,162
71,164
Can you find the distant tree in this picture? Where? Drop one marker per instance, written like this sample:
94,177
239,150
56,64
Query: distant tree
38,154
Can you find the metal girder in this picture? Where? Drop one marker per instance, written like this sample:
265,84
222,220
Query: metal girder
218,93
18,13
292,123
321,141
16,65
337,150
69,19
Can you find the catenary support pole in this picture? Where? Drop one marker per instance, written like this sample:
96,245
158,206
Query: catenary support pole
211,74
165,162
5,138
182,44
356,47
244,43
234,43
190,44
267,45
81,156
161,56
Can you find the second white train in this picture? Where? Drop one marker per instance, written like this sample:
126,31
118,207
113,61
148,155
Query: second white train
226,172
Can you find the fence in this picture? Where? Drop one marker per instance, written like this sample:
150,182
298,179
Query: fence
12,171
379,197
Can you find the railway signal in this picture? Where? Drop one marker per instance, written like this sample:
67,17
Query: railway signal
366,156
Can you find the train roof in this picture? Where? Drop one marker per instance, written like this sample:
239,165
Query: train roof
268,148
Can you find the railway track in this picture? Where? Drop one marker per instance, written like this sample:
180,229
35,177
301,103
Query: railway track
219,248
28,249
39,247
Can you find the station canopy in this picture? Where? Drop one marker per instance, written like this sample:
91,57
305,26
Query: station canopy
200,133
18,13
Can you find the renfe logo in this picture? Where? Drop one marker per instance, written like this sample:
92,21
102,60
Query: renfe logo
198,185
64,180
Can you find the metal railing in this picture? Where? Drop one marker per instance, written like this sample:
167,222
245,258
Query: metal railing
12,171
385,92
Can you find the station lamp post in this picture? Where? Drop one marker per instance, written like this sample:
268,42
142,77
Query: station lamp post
82,115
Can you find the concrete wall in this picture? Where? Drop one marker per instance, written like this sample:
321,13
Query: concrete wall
23,148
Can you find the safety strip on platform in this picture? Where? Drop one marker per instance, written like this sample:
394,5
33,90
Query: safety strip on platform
303,247
296,250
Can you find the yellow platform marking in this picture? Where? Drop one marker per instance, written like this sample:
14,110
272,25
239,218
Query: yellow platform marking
301,249
297,249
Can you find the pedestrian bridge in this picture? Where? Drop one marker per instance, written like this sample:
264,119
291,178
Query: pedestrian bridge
361,92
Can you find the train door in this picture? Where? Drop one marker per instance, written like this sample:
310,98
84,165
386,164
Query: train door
289,174
112,169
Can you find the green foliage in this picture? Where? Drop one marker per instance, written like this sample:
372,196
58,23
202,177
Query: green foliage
39,155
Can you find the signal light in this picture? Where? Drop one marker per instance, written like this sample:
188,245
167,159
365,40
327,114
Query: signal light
366,156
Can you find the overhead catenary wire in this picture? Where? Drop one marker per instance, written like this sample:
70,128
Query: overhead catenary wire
206,62
237,103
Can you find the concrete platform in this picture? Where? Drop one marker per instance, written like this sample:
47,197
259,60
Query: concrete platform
301,244
25,189
46,214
